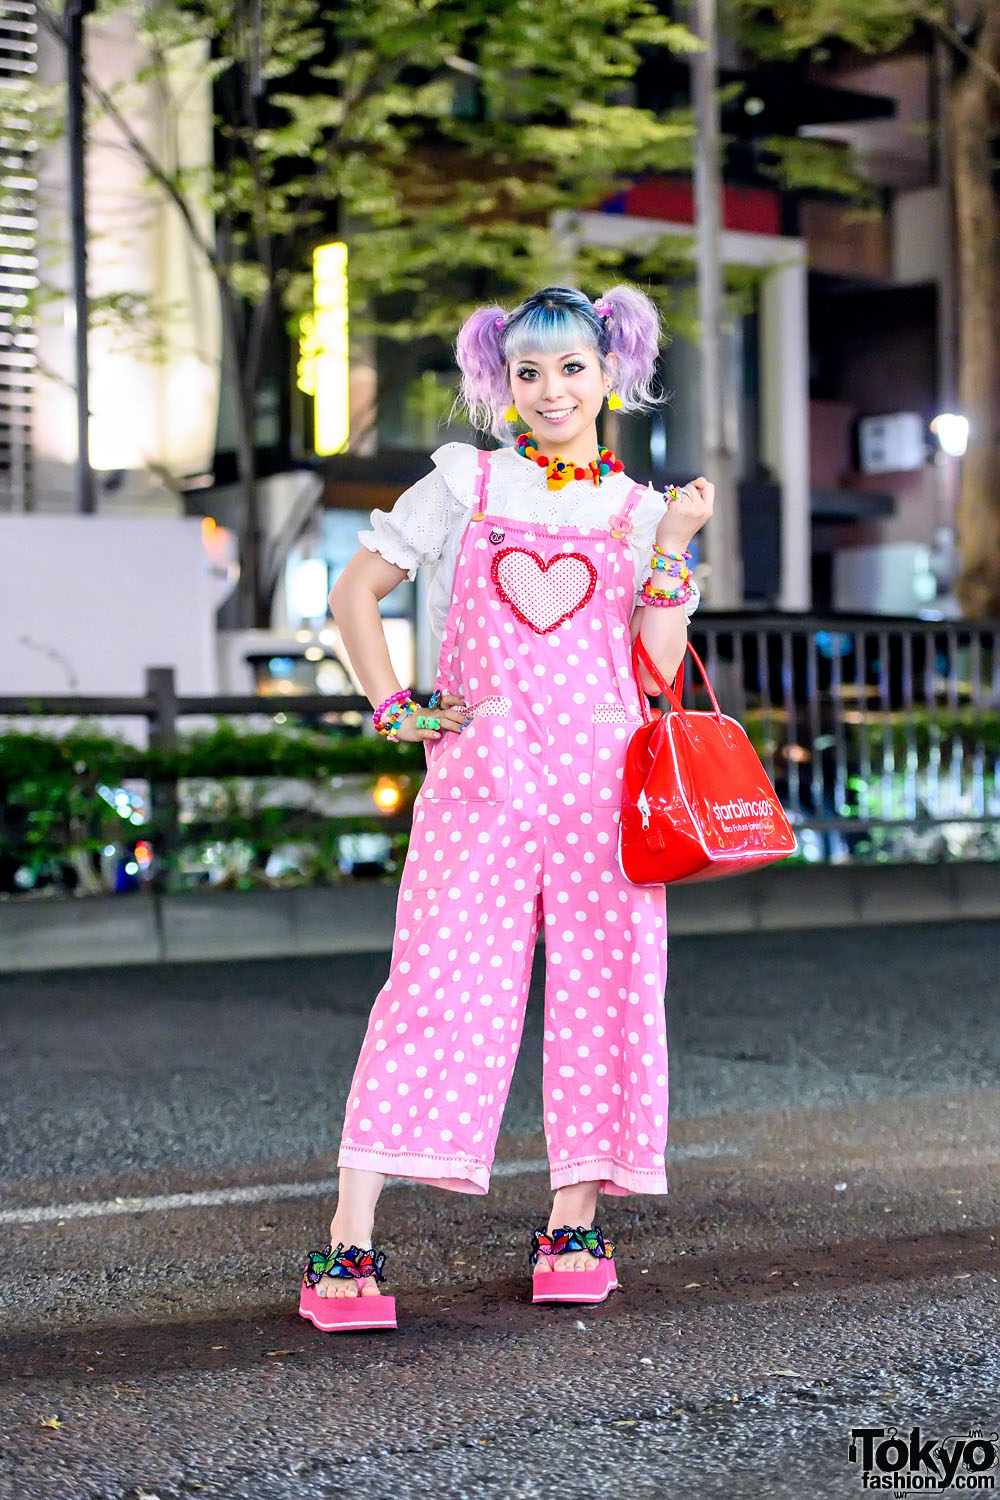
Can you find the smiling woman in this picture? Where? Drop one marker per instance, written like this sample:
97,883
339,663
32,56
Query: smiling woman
614,342
562,394
543,552
552,361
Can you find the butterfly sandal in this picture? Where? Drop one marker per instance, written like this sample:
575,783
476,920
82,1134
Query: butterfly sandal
594,1285
338,1314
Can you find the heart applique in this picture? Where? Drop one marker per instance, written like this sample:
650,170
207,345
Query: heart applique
543,594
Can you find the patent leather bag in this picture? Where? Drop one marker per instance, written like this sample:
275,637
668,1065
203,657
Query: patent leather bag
696,801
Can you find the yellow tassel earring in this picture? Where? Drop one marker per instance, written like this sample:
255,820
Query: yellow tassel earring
614,401
510,415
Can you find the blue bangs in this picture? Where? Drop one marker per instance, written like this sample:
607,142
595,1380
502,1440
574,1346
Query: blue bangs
547,326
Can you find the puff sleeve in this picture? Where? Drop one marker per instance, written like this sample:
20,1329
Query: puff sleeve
415,531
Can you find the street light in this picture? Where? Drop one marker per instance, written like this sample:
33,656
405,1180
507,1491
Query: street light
952,432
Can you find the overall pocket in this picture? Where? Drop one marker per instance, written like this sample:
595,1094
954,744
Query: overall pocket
611,727
471,766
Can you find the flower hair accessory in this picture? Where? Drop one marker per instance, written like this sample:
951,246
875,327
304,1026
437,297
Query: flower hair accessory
602,307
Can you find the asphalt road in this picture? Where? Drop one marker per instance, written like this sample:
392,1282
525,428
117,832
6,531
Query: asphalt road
826,1258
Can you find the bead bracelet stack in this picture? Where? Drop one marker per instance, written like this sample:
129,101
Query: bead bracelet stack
390,714
675,566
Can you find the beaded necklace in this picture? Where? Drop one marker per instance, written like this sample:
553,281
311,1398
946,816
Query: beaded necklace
560,471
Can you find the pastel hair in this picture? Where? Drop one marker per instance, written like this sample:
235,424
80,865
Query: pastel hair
554,319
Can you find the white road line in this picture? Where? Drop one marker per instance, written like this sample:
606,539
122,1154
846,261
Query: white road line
268,1192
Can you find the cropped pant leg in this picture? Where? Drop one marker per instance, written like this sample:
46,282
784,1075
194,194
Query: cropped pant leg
604,1076
431,1082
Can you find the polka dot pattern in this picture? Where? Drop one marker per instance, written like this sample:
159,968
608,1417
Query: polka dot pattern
515,834
427,524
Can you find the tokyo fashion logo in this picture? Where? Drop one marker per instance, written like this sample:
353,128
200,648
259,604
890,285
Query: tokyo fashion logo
918,1465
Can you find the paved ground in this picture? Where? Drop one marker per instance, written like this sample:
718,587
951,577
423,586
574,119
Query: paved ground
825,1259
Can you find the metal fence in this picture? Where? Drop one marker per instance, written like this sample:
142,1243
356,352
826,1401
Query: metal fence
865,723
862,723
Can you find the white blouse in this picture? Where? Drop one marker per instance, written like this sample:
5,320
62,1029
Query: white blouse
426,524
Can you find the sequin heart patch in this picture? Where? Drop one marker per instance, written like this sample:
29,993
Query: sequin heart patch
543,594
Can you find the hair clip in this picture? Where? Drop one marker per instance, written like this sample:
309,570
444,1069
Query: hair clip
602,307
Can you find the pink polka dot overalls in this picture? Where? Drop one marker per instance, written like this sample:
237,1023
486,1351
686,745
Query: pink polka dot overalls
516,821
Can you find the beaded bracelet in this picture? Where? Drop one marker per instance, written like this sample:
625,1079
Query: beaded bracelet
400,696
659,551
389,715
681,595
389,726
674,564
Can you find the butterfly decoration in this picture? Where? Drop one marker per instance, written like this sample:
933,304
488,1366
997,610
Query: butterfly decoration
562,1240
343,1262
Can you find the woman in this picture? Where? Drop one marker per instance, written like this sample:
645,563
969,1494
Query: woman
547,557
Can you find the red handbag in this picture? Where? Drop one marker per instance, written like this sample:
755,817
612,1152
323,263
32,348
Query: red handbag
696,801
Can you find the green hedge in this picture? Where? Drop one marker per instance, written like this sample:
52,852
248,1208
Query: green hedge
220,752
51,808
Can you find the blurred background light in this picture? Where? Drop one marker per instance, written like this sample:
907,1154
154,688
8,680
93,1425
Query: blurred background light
952,432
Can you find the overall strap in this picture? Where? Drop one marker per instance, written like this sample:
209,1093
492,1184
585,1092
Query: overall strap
635,494
482,482
449,643
620,523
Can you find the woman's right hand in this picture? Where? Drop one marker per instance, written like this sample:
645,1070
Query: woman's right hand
450,712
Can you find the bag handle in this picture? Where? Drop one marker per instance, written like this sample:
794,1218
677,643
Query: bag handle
672,693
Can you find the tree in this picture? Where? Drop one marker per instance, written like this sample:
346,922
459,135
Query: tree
436,136
972,124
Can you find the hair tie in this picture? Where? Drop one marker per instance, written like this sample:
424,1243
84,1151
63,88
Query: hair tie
499,322
603,307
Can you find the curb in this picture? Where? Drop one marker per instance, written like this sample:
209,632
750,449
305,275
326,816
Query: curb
360,918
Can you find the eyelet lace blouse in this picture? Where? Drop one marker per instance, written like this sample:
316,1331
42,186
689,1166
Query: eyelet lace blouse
426,524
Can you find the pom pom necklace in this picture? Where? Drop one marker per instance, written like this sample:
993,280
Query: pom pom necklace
560,471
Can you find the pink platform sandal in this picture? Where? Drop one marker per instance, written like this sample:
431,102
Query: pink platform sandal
340,1314
594,1285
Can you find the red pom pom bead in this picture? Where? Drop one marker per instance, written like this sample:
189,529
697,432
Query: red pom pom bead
579,473
617,466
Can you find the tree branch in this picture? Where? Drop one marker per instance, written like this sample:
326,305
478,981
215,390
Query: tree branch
139,148
309,200
974,56
251,122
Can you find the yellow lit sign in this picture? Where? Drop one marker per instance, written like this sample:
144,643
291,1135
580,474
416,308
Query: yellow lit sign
323,362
